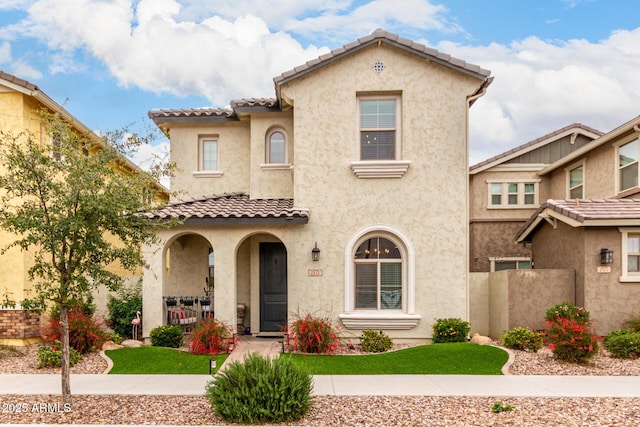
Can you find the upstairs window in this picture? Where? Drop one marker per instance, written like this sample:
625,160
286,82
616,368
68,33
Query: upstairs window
276,147
379,128
628,165
513,194
575,178
208,154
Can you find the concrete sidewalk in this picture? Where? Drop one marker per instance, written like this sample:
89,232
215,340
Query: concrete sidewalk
343,385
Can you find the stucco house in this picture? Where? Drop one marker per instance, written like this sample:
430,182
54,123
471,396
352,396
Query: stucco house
20,106
505,190
596,231
345,195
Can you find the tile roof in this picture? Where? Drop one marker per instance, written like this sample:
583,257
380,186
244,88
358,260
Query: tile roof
234,208
191,113
17,81
380,35
532,144
585,212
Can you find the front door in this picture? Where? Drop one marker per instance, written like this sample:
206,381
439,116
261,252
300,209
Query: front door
273,287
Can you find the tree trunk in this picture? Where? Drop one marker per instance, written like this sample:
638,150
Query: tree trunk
66,368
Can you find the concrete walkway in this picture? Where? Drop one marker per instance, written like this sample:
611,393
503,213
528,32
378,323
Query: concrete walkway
337,385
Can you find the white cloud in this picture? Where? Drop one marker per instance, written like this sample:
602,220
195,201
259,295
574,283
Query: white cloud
541,86
5,52
25,71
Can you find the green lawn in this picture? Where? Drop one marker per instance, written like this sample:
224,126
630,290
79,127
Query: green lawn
442,359
159,360
445,359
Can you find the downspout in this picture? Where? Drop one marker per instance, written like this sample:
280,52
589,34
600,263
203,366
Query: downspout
470,100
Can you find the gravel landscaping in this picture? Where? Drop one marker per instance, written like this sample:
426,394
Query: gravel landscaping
344,411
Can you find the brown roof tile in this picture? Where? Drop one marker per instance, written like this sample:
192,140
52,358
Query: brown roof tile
17,81
387,37
595,212
236,208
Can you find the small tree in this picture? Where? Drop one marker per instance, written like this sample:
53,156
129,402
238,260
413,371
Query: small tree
70,202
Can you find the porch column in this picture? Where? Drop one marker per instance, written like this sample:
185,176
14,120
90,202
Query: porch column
225,285
152,276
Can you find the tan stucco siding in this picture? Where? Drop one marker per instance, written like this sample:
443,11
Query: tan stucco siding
429,203
233,154
267,182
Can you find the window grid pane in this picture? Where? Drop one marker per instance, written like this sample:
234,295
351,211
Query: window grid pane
209,155
366,286
378,129
276,148
390,286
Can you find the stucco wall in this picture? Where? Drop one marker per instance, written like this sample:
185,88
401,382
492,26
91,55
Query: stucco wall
479,303
520,298
233,152
433,139
494,240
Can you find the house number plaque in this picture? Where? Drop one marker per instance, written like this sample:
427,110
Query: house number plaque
314,272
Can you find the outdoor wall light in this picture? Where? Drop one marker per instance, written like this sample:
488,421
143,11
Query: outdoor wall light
606,256
315,253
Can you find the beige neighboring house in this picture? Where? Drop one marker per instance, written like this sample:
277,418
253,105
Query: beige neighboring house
344,196
591,224
506,190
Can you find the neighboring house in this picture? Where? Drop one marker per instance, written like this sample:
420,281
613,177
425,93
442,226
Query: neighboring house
591,224
506,189
20,106
344,196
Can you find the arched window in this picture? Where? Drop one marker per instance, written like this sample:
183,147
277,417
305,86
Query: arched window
379,280
276,147
378,275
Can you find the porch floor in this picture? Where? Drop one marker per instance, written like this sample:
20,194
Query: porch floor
267,347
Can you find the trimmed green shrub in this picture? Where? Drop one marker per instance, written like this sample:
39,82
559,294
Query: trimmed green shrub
50,355
123,308
116,338
523,339
210,337
166,336
633,323
260,390
624,343
375,341
313,335
451,329
570,334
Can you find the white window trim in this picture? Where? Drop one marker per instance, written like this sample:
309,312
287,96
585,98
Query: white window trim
507,259
626,276
568,170
520,182
268,164
616,164
201,172
380,319
385,168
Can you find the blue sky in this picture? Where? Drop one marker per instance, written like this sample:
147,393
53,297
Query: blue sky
109,62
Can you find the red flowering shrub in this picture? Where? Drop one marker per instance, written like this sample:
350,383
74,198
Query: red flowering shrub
313,335
571,336
86,332
210,337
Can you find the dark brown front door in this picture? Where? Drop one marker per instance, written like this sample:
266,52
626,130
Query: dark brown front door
273,287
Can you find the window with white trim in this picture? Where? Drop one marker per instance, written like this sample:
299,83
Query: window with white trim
208,157
513,194
575,182
630,238
276,151
379,280
378,128
510,263
379,138
378,275
628,155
